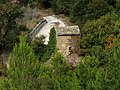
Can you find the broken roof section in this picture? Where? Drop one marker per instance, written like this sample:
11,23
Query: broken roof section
69,30
53,20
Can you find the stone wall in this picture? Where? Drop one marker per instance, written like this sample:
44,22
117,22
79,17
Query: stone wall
68,46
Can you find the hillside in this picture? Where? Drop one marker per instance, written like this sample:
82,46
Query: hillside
34,65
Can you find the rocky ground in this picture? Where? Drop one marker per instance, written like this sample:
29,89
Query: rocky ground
33,16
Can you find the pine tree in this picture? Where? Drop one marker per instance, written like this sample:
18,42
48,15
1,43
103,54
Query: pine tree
52,40
51,45
23,70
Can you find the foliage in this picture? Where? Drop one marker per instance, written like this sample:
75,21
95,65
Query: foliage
59,74
112,2
23,70
118,4
84,10
62,6
113,74
98,52
99,46
23,2
52,40
51,45
90,74
45,3
96,32
63,77
3,1
86,72
39,47
97,8
79,9
9,14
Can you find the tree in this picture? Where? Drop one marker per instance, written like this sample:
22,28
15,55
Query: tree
94,75
3,1
98,52
52,40
96,32
112,2
84,10
8,17
78,11
112,73
45,3
23,2
86,72
62,6
39,47
51,48
97,8
23,70
63,78
117,4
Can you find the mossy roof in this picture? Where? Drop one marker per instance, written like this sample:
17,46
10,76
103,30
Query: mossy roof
69,30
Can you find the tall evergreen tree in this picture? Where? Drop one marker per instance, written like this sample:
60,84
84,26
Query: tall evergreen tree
51,45
23,70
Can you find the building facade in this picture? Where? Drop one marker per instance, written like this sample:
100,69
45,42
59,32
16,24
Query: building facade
67,43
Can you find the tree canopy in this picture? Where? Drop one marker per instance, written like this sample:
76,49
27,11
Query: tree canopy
23,69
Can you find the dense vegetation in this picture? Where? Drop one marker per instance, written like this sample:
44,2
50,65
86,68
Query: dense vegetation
99,48
23,72
51,48
9,29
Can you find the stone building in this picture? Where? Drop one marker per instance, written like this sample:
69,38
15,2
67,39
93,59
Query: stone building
67,43
68,37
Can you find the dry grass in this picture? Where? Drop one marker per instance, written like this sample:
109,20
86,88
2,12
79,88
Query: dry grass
31,24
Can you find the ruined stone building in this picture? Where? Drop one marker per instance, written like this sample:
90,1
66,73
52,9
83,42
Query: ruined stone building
67,43
68,37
